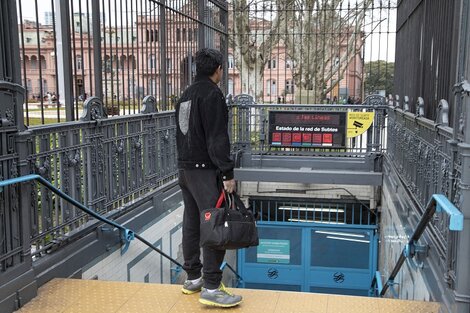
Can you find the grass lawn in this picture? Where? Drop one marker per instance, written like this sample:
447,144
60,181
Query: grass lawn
34,121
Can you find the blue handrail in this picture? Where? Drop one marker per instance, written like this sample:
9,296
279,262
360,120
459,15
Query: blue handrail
437,203
126,234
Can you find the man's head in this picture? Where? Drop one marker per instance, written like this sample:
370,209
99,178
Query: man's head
209,63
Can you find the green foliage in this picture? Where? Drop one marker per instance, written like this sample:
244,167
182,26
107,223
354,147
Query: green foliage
379,76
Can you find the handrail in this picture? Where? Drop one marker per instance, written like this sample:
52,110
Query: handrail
437,203
126,234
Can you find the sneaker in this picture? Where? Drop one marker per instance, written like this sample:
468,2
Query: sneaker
221,297
190,288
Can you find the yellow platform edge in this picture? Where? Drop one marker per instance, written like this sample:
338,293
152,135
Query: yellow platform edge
86,296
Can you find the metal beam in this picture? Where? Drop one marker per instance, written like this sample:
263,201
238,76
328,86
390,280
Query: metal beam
97,49
297,162
309,176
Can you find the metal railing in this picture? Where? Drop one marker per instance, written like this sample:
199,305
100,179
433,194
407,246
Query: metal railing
422,152
320,212
105,163
437,203
127,235
249,126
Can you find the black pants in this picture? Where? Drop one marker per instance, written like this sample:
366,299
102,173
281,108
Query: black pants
200,190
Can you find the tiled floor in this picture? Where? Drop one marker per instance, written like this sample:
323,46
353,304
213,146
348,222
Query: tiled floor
71,295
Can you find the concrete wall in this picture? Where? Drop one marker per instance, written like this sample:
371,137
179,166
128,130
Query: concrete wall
393,237
422,279
311,191
142,264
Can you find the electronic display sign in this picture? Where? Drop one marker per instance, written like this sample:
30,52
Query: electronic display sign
307,129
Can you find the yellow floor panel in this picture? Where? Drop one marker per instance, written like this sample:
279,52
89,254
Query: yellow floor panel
84,296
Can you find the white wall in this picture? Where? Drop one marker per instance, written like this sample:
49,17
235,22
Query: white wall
140,263
393,238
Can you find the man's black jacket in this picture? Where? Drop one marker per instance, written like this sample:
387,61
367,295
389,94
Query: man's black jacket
202,135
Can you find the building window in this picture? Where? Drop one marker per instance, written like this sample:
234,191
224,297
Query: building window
131,62
230,86
122,62
230,61
42,88
271,87
290,63
43,62
190,34
45,89
336,62
289,86
152,86
184,34
132,87
107,64
152,61
169,89
178,34
168,64
79,62
151,35
272,64
34,62
29,86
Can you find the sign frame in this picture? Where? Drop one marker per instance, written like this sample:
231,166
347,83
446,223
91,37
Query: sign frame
308,129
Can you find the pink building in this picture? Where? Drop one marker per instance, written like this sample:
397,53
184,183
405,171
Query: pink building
134,67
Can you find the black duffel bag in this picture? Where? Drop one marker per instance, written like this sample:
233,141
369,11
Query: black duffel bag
228,227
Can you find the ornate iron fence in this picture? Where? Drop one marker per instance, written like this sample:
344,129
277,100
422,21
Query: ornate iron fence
104,163
249,126
118,50
422,152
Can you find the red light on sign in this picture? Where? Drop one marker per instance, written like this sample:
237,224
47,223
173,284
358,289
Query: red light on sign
307,138
277,137
316,138
286,138
297,137
327,138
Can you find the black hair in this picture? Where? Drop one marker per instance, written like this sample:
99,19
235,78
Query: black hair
207,61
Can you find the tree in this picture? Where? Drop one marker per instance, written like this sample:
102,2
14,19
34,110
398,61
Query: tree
327,36
379,76
321,38
252,52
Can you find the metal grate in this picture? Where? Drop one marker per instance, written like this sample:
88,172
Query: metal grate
117,50
328,213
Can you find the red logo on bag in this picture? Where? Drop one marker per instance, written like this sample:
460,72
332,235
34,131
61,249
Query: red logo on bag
207,216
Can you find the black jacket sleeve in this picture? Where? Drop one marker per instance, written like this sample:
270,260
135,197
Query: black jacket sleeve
215,123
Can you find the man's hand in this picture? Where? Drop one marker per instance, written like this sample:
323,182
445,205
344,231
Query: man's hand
229,185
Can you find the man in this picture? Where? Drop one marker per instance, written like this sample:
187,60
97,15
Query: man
203,160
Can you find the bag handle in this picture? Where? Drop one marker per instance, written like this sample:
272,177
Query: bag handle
221,199
229,201
237,203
